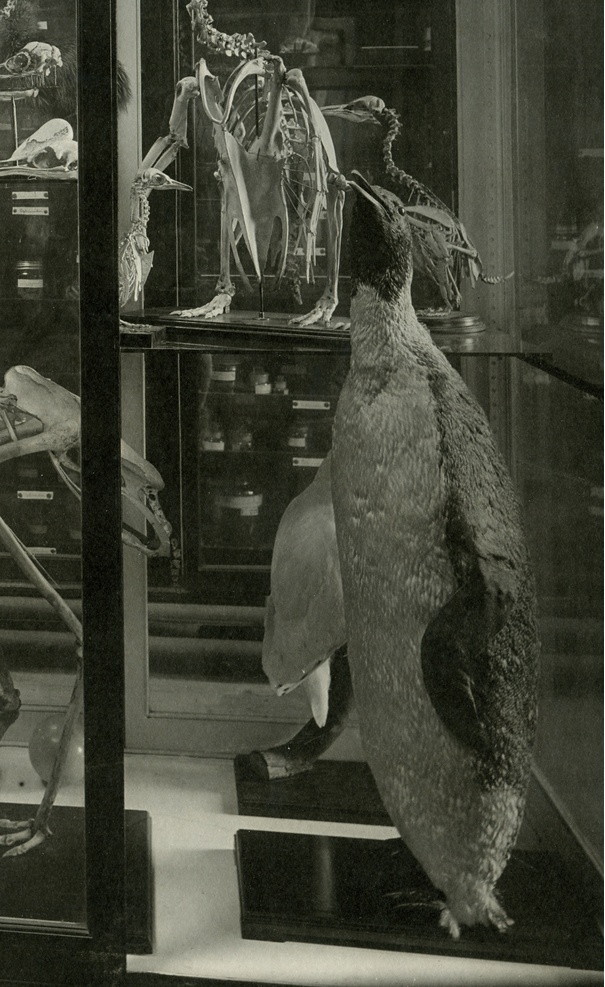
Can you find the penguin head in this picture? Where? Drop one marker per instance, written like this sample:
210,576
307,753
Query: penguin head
380,241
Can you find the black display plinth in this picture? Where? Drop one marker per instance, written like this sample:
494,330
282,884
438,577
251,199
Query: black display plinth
48,885
337,890
333,791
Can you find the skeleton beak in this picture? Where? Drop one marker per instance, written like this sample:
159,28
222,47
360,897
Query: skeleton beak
356,112
141,483
171,183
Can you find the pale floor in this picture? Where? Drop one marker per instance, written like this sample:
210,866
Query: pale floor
193,809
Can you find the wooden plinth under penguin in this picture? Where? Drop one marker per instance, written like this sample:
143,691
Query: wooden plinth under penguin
438,589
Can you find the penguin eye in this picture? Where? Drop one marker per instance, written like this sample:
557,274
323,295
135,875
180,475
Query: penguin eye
401,210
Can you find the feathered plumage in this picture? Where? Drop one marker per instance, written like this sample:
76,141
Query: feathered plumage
438,589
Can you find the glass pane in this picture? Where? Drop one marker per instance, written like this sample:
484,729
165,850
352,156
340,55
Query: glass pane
560,479
41,760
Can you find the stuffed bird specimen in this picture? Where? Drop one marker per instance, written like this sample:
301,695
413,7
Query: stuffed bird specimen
305,633
438,590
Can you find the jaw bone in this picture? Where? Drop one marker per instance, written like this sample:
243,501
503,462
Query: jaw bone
30,403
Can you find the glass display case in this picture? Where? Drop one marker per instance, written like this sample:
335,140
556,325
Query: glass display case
58,923
202,825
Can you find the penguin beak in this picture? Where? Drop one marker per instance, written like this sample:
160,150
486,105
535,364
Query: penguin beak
363,187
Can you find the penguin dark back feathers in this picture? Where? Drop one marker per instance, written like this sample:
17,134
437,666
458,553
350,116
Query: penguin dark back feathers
380,241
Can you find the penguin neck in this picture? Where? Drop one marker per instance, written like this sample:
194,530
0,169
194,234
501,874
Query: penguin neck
381,331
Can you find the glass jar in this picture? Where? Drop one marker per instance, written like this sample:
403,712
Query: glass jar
29,278
298,436
280,385
259,380
237,505
239,438
223,375
213,437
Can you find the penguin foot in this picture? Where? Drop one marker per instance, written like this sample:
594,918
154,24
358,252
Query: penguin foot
491,914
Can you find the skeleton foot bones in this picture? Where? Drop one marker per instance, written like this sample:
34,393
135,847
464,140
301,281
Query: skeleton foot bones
37,415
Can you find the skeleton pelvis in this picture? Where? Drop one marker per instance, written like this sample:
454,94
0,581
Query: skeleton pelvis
254,196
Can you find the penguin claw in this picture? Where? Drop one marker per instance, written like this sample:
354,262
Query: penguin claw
447,921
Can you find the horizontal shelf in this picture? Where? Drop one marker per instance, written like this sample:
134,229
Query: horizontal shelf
262,455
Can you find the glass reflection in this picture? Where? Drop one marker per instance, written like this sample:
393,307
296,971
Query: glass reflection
41,761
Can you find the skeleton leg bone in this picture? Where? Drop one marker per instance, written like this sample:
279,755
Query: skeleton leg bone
325,306
30,833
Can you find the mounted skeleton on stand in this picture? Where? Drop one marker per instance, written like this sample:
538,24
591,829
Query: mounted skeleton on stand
276,162
38,415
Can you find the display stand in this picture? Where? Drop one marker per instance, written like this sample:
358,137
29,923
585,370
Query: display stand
48,884
333,791
373,893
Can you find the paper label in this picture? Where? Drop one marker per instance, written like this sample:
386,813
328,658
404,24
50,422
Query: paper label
297,443
33,283
226,375
208,446
262,388
246,506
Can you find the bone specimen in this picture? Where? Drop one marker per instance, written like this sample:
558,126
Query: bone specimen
39,415
277,168
50,147
441,248
135,258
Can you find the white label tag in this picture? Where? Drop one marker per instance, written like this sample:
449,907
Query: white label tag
262,388
213,446
39,194
297,443
30,283
227,375
311,405
41,550
307,462
35,494
247,506
30,210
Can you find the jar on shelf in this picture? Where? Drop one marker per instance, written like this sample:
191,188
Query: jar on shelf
239,437
298,435
259,381
213,437
280,385
29,278
223,375
237,505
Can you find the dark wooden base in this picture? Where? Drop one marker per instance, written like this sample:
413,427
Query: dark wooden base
343,891
333,791
48,885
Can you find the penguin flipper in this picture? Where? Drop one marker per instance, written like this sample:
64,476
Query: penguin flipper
454,650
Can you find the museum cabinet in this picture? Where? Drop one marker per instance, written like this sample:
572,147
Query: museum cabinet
234,409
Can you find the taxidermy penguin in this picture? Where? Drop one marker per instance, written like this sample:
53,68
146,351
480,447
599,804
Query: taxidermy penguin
438,589
304,622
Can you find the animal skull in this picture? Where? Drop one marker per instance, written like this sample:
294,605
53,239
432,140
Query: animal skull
38,415
36,56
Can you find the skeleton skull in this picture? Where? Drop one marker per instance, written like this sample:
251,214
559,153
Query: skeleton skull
55,154
36,56
30,403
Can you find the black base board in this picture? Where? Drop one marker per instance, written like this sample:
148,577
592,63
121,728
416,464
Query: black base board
331,791
48,884
344,891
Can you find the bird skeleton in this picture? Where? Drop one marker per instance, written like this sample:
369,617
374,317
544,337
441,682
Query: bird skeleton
38,415
135,258
441,246
277,168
